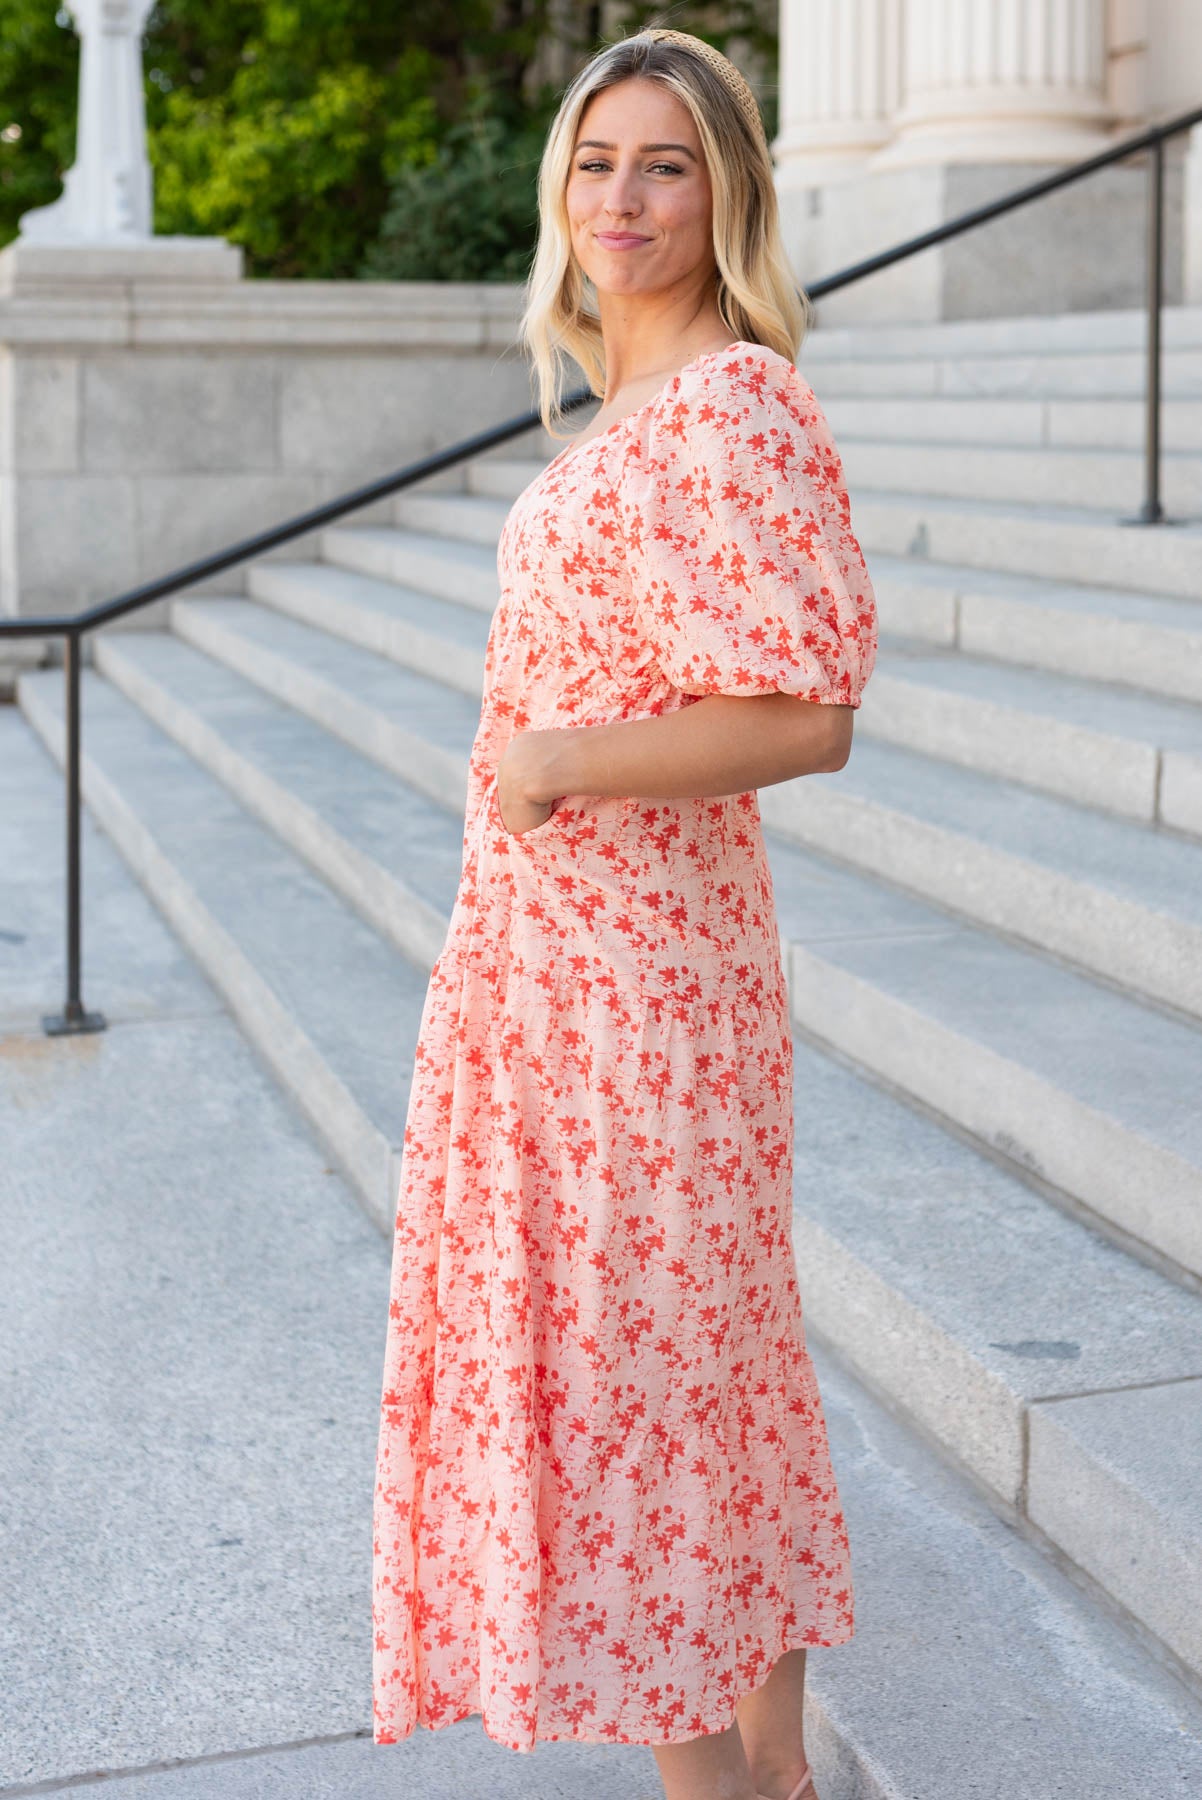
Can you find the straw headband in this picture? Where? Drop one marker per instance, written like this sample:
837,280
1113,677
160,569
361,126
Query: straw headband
722,66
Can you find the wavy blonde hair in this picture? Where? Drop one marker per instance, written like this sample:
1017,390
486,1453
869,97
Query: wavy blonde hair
757,294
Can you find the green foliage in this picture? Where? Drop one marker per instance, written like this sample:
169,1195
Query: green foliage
39,79
471,212
279,127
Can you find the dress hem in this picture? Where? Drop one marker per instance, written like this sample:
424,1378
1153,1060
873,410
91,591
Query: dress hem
583,1737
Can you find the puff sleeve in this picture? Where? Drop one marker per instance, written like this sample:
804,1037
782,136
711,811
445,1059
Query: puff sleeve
746,577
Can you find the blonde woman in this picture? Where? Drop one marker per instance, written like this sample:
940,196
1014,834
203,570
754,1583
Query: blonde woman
605,1507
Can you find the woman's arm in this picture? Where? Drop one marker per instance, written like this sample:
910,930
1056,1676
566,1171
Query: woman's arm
721,744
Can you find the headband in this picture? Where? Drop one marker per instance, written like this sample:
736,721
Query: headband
722,66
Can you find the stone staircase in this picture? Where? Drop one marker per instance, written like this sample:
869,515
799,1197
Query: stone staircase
992,921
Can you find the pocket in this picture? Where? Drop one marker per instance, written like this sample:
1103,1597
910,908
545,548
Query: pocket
518,837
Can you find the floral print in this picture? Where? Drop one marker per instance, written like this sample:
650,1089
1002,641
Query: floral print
604,1499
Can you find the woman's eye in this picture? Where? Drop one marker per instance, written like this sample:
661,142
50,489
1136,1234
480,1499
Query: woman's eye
672,168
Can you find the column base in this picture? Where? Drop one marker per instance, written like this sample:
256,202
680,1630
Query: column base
1079,248
27,264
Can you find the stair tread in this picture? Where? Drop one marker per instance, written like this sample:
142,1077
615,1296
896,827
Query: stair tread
360,1007
1165,610
472,555
409,836
1097,456
988,1631
1145,865
883,1180
400,695
1122,328
463,625
1025,1005
1035,1298
1096,706
1150,1438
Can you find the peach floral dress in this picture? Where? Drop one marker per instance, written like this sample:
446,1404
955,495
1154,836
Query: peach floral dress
604,1501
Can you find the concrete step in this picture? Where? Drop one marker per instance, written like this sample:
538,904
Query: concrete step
1120,899
386,849
410,724
1112,481
1082,1090
1130,637
1036,423
1052,543
1051,374
1108,747
1101,330
444,638
430,517
1115,898
1009,1039
878,1184
333,1027
1130,753
459,569
1152,642
1072,544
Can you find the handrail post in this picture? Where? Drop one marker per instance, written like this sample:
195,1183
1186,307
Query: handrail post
74,1016
1152,513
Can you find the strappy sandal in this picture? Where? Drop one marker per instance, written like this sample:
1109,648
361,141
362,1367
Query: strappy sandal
807,1778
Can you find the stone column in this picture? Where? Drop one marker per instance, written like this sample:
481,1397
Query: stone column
107,191
1000,81
840,79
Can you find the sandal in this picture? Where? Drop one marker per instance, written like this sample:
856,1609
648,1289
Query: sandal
806,1781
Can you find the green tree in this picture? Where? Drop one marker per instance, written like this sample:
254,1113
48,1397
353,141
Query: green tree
283,125
279,126
39,81
469,213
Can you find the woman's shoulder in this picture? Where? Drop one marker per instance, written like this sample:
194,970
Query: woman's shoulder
729,389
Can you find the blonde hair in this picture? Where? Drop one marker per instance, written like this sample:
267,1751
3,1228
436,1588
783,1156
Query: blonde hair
757,294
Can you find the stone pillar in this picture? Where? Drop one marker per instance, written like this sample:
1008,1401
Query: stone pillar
1000,81
840,80
107,193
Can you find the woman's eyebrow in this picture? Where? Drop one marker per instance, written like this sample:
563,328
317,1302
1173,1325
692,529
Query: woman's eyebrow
596,144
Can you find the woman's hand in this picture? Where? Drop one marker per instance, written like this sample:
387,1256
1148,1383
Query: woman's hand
522,773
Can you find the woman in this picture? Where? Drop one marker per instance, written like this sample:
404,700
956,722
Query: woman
605,1508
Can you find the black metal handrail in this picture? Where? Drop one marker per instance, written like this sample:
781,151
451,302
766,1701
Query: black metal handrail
74,1016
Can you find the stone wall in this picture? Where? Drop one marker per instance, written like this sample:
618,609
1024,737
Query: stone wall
154,409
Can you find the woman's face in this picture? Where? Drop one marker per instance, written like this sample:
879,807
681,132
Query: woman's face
638,194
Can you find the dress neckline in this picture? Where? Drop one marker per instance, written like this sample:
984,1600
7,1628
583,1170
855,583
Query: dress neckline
657,396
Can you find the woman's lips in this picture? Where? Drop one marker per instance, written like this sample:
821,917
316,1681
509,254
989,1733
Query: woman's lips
619,240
